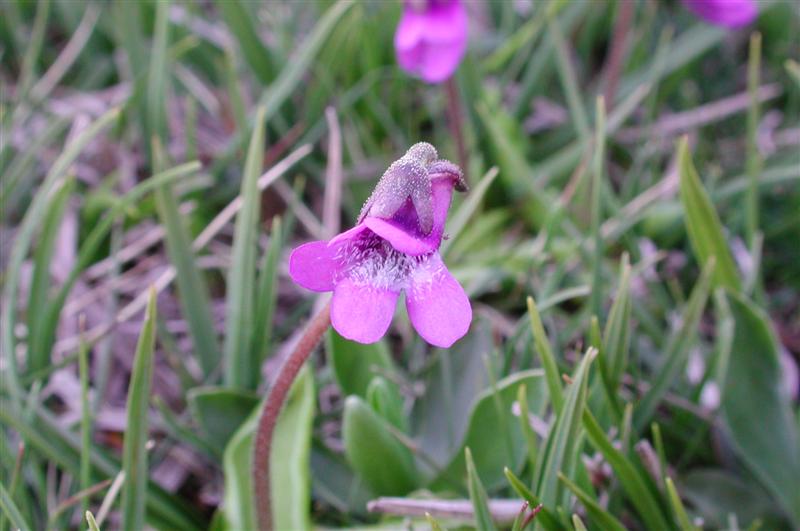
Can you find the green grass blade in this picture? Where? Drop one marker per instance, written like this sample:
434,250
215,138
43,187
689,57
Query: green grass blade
11,510
30,222
598,163
545,517
467,209
754,163
632,482
85,477
91,522
604,519
267,294
703,224
548,360
617,335
578,523
569,80
531,441
480,502
156,102
96,238
38,356
192,290
134,456
677,507
563,440
677,350
290,76
241,26
241,370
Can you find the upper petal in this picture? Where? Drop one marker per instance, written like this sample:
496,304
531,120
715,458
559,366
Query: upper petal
728,13
437,305
314,265
362,312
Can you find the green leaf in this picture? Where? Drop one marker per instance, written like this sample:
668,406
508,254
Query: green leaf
289,465
676,352
702,223
466,212
356,364
290,461
241,369
758,414
134,454
548,359
91,522
38,353
496,442
531,442
477,494
386,401
604,519
578,523
220,412
562,443
374,451
632,481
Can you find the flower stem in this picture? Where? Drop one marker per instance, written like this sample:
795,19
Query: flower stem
456,123
272,409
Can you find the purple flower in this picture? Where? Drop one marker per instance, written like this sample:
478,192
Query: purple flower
431,38
393,248
728,13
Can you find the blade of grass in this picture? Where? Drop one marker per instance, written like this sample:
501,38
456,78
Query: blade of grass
477,494
240,24
569,80
548,360
596,299
754,163
548,520
240,368
91,522
632,482
134,456
193,291
604,519
96,238
703,224
468,208
563,440
11,510
525,425
38,357
267,295
677,350
85,478
677,506
30,222
617,335
156,96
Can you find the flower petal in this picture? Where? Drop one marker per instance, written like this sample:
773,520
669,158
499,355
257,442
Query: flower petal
362,312
313,265
437,304
400,238
727,13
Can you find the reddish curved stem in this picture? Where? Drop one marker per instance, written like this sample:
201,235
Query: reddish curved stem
272,409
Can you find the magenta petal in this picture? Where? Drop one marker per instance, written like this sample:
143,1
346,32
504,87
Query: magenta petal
400,239
361,312
727,13
437,304
313,266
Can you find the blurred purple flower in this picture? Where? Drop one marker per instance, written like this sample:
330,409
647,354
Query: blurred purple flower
727,13
393,248
431,38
